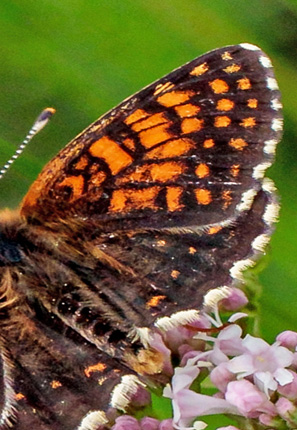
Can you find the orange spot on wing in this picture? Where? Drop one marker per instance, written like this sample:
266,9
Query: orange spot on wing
153,173
237,143
187,110
151,121
173,148
173,197
225,104
136,116
226,56
248,122
107,149
244,84
203,196
192,250
226,196
252,103
162,87
222,121
214,230
199,70
235,170
219,86
175,274
118,201
155,135
202,170
233,68
190,125
128,200
161,242
208,143
174,98
81,163
76,183
98,367
56,384
19,396
166,171
154,301
130,144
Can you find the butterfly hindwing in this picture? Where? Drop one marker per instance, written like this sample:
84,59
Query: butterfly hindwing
52,377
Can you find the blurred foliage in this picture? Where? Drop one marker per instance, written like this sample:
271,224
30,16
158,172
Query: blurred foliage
85,56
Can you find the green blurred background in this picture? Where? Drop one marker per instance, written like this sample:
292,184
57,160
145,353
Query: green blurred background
85,56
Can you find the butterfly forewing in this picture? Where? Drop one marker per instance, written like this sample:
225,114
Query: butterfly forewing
154,204
185,146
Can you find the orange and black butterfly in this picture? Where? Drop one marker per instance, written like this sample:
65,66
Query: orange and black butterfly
157,202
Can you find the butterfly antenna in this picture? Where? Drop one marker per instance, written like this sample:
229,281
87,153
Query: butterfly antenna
38,125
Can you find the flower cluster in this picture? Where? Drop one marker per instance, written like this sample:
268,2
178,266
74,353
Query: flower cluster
252,382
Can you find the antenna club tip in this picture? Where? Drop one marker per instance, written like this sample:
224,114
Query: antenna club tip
46,113
44,117
50,110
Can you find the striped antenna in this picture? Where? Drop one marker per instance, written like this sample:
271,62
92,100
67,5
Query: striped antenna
38,125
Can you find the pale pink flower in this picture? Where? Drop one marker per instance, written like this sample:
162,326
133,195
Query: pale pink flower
228,342
177,336
126,422
166,424
187,405
237,316
266,363
148,423
141,398
236,300
290,390
294,362
220,376
288,339
249,401
269,420
285,407
202,322
180,335
192,357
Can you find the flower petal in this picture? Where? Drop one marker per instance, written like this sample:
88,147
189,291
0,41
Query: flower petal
283,376
188,405
248,399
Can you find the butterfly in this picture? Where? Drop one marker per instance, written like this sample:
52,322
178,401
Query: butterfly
157,202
